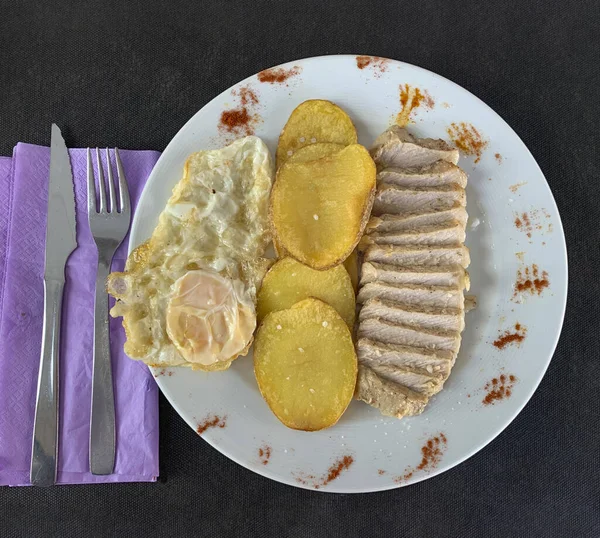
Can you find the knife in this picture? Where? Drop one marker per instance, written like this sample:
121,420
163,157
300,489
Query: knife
60,242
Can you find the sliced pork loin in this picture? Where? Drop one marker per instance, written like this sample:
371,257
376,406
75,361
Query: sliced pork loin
452,233
397,148
390,398
395,200
425,384
399,223
415,316
453,275
437,363
393,333
429,296
410,256
434,175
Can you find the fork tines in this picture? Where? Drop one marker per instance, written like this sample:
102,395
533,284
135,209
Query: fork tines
102,208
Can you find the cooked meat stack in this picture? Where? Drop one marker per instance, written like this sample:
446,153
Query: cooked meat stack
413,276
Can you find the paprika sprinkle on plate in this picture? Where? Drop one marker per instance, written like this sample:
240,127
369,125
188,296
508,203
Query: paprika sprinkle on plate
278,75
508,337
499,388
377,64
242,120
264,453
410,99
211,422
336,469
467,139
431,455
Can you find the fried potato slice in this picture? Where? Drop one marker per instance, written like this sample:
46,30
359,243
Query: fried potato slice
312,122
305,365
314,152
290,281
351,265
319,209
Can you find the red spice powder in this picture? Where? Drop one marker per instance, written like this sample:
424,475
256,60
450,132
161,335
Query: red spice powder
264,454
278,75
338,467
530,280
247,96
508,337
380,472
411,98
242,120
467,139
533,220
377,64
498,158
431,455
211,422
499,389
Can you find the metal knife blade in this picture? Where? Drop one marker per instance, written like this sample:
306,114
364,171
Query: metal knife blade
60,233
60,242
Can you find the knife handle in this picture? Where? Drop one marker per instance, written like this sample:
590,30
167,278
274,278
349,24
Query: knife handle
102,423
45,427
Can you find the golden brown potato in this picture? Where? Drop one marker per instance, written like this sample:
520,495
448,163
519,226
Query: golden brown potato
305,365
312,122
351,265
290,281
319,208
314,152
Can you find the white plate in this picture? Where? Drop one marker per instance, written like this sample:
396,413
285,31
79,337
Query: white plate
384,450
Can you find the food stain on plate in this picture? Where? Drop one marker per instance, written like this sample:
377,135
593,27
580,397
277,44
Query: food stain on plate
264,453
499,388
530,280
278,75
468,139
376,64
431,455
381,472
336,469
514,188
163,372
510,337
243,119
412,98
498,158
211,422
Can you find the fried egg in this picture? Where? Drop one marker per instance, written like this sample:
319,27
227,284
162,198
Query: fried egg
188,294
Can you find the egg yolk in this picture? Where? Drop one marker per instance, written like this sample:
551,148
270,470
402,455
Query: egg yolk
208,318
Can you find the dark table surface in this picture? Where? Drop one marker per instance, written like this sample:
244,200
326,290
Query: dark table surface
130,74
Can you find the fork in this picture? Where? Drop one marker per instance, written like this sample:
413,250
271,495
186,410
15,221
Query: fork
109,225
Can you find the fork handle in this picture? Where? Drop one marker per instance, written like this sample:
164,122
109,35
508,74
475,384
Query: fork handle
102,423
45,424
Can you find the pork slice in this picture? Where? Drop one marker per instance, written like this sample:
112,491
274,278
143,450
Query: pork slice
439,235
409,256
425,384
395,200
393,333
399,223
430,296
415,316
437,363
396,147
453,275
438,173
390,398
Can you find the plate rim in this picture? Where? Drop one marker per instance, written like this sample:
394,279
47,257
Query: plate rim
532,387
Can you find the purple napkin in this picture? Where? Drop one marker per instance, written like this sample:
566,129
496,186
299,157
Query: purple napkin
23,208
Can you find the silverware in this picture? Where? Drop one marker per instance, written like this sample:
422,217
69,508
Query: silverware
60,242
109,225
